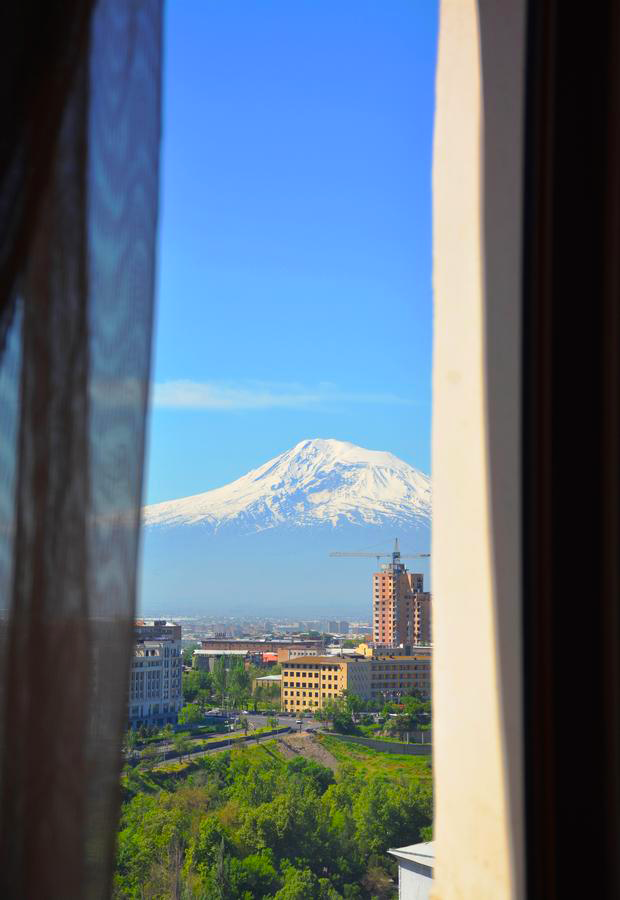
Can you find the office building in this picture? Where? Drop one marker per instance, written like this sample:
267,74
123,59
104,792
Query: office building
308,681
155,686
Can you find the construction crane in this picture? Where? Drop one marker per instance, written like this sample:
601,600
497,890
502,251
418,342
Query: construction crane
395,555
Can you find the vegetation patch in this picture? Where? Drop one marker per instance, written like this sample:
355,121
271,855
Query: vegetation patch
373,762
248,823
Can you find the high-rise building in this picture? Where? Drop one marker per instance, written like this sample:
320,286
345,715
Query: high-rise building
401,608
155,688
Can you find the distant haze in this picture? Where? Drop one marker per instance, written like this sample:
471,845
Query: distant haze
260,545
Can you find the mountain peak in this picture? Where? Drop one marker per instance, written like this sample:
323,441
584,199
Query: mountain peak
319,481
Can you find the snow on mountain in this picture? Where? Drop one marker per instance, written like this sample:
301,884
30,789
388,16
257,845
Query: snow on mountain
318,482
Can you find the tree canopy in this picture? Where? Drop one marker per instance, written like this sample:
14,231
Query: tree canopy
250,824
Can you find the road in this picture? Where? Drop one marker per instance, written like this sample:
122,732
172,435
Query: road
197,753
255,720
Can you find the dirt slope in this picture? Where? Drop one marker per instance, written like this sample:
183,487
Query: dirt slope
292,745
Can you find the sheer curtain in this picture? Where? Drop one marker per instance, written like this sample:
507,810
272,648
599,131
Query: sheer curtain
79,162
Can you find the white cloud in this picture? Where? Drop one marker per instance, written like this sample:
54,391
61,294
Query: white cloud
258,395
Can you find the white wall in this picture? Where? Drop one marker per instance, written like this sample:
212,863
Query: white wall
412,885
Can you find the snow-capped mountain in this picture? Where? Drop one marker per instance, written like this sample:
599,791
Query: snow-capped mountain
318,482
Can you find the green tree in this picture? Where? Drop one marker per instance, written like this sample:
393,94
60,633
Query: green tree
257,874
343,723
182,745
220,678
400,725
220,884
188,654
353,703
299,884
205,849
130,740
331,708
149,757
238,683
191,685
191,714
385,813
244,724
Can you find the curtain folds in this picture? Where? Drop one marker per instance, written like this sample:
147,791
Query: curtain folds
77,264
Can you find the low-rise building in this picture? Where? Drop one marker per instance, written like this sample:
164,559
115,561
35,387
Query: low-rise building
267,681
155,686
258,646
309,681
294,651
205,659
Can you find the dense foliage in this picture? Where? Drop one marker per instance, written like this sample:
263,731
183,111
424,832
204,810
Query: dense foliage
250,824
229,684
345,713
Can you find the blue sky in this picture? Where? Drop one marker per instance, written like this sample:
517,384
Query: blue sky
294,283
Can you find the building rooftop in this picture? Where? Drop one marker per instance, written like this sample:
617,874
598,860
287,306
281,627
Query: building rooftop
422,854
269,678
326,660
262,640
396,657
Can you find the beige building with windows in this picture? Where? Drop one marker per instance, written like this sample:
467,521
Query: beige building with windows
307,682
293,652
155,685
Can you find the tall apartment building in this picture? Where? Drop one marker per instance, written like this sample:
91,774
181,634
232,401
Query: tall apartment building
401,608
307,682
155,686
